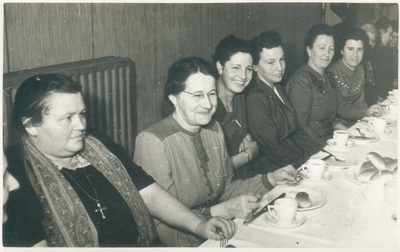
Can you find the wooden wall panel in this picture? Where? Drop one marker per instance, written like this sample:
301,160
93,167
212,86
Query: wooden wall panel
5,47
128,30
178,35
46,34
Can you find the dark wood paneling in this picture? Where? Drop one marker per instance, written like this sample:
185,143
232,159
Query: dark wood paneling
128,30
47,34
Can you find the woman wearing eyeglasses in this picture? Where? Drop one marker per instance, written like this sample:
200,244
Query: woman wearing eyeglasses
186,154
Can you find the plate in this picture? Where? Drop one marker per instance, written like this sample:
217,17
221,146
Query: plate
351,175
331,163
370,139
300,219
332,143
387,131
327,176
317,199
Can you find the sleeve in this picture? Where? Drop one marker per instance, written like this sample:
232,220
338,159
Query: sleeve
232,187
300,95
352,110
139,177
25,213
265,131
149,154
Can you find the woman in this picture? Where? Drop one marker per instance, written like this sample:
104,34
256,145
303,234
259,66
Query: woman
384,63
233,61
77,190
349,78
311,89
271,117
186,154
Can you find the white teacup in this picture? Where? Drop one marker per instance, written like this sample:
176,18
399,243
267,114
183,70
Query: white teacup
340,137
284,211
314,169
374,192
392,110
394,95
378,125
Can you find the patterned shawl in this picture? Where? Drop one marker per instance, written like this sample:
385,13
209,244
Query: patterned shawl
66,222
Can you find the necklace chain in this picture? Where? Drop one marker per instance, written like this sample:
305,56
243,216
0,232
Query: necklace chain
95,193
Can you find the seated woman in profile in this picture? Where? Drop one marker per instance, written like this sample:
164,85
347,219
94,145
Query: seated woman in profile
186,154
232,58
349,78
271,117
79,190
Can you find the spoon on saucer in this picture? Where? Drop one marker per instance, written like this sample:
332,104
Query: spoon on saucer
336,158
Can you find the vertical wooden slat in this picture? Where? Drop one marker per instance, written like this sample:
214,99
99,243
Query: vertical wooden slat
43,34
115,104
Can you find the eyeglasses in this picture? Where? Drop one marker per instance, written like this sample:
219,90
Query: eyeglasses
213,95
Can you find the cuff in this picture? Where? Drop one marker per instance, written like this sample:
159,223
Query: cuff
266,182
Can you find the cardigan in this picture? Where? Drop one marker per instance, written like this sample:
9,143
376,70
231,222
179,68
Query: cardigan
273,124
194,167
352,105
316,103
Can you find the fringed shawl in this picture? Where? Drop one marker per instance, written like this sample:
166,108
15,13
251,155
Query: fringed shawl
66,222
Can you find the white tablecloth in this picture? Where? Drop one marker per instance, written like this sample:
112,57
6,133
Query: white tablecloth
347,220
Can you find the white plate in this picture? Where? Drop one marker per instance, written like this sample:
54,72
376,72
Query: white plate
300,219
332,143
331,163
351,175
387,131
362,140
317,199
327,176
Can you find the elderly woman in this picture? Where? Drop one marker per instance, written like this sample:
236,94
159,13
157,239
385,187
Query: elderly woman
79,190
233,61
349,78
186,154
312,90
271,117
384,63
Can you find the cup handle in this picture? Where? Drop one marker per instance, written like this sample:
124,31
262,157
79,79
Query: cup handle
271,210
371,125
365,190
304,170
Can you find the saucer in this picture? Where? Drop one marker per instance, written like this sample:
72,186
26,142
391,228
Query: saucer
316,198
332,143
300,219
327,176
387,131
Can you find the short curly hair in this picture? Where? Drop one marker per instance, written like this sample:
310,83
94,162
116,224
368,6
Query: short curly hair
268,40
228,47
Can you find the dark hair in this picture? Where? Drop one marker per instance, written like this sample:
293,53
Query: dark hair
268,40
382,24
182,69
354,34
314,32
31,99
229,46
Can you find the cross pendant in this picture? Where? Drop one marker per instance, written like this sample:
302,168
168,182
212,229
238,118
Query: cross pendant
100,210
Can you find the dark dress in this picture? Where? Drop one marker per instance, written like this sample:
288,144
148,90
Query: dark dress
316,103
384,64
273,124
234,125
25,214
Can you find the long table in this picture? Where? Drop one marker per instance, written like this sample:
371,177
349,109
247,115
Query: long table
346,220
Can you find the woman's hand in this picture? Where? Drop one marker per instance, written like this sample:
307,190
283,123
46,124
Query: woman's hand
238,207
374,110
250,146
216,229
285,173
